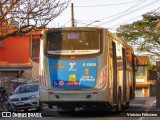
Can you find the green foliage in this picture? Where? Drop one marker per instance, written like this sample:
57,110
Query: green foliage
143,35
151,67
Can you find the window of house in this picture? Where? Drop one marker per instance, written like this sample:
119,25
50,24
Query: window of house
141,71
35,49
139,92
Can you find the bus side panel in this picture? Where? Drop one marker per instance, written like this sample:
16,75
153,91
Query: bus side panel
120,70
44,73
103,64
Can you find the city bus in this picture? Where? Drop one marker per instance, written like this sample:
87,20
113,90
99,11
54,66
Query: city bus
85,67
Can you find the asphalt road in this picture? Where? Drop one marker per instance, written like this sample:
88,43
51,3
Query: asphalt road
140,109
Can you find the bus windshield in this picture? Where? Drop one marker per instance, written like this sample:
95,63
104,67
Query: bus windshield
73,42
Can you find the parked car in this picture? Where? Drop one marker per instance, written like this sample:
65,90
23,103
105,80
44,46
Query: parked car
26,97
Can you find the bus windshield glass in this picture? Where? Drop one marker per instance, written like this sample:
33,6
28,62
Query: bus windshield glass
73,43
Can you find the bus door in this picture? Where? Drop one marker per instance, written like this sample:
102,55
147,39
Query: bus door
114,73
124,74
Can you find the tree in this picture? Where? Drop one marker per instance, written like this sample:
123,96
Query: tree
143,35
30,14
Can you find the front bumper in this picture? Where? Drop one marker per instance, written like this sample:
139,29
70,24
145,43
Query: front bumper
28,104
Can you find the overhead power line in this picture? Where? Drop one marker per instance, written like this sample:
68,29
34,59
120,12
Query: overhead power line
110,4
65,23
136,17
123,13
119,12
156,9
126,12
86,24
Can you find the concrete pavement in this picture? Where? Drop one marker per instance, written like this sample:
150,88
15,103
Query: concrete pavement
147,108
140,105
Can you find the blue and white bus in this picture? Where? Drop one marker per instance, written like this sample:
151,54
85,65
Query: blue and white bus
85,66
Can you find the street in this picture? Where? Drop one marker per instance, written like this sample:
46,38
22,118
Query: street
140,109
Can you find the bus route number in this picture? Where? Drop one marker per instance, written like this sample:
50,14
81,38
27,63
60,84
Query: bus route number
73,36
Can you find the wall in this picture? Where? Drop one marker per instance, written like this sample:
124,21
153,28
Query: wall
16,50
35,69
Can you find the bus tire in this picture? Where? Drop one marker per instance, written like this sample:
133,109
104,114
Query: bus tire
131,94
119,106
40,107
50,106
127,105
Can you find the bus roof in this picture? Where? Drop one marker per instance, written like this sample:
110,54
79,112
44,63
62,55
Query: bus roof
75,28
119,40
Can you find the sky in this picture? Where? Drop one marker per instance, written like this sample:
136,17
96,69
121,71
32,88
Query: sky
109,14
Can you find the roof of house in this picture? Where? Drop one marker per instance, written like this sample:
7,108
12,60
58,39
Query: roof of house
5,30
143,60
6,66
14,68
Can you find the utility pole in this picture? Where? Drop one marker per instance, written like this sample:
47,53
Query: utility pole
72,16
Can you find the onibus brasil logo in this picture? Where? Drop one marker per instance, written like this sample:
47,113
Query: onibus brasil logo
12,114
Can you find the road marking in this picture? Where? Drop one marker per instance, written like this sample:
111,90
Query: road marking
154,101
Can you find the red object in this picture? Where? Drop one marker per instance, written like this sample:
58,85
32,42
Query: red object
43,78
95,92
72,57
50,92
16,50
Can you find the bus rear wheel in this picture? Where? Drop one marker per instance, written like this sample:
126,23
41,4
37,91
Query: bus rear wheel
127,105
119,106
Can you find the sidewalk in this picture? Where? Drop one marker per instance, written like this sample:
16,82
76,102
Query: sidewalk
144,100
150,105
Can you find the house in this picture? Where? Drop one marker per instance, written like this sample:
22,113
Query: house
145,79
19,58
